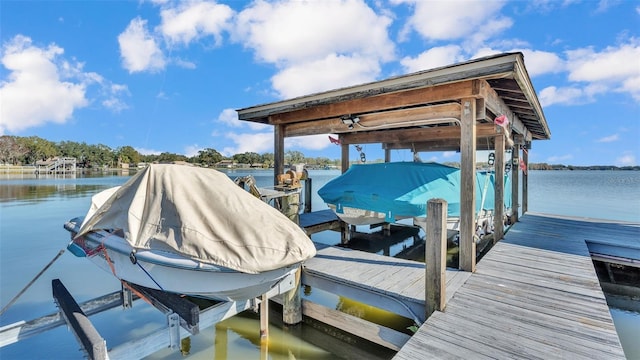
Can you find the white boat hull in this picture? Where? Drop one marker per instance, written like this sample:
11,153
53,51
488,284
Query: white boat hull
168,272
354,216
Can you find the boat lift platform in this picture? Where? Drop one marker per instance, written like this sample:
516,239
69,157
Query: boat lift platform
184,318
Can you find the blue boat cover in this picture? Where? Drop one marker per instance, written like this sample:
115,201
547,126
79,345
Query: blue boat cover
402,189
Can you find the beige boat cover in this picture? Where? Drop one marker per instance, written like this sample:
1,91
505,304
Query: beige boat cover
203,215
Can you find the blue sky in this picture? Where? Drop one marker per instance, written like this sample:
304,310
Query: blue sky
167,76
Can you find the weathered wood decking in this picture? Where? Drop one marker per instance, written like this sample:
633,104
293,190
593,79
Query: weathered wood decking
399,284
535,295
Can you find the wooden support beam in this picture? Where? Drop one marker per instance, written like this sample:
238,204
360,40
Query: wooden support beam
525,182
435,256
498,226
166,302
436,133
494,103
515,185
291,305
378,120
308,194
344,156
264,319
467,243
88,337
383,102
278,152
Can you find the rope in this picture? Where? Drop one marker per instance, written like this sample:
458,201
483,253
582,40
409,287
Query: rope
149,275
31,282
124,283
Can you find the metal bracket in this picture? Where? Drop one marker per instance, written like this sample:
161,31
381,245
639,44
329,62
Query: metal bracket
127,297
173,322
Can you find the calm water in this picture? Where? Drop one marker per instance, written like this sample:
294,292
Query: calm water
33,211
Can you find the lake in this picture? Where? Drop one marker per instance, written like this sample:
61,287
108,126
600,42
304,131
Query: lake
33,211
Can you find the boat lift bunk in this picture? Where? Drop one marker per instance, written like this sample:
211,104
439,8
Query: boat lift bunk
184,318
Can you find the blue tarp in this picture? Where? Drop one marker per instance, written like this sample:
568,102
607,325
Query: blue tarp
402,189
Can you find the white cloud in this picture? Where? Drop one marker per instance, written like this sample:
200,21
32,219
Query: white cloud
541,62
564,95
138,49
192,20
450,20
610,138
36,90
301,31
627,159
192,150
311,142
114,100
615,68
318,41
332,72
144,151
257,142
185,64
229,117
433,58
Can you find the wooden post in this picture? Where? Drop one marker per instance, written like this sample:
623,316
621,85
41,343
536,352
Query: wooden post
515,186
278,152
467,256
292,303
345,231
344,164
498,225
525,181
264,319
435,256
308,196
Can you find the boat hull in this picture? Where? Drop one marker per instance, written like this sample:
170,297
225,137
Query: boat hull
168,273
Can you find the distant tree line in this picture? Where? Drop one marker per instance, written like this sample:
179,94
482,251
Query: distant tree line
16,150
545,166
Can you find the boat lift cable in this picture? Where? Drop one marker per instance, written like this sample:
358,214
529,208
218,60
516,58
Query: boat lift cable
31,282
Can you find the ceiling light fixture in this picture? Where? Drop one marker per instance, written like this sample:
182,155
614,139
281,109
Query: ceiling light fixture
349,119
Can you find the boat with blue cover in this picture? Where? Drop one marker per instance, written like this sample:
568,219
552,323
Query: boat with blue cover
376,193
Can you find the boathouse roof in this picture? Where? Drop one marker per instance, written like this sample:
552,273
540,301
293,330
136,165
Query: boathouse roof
499,83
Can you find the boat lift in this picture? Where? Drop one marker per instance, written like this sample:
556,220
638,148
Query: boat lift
184,318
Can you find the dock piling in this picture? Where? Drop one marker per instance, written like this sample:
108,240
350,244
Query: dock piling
435,256
292,303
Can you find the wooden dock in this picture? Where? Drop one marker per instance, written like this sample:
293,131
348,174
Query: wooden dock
535,295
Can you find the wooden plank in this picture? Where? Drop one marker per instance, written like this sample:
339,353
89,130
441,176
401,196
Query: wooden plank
535,297
415,134
90,340
369,104
390,119
375,333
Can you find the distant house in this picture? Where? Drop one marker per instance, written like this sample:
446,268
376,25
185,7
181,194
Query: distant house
226,164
